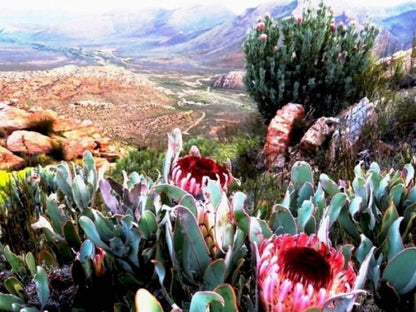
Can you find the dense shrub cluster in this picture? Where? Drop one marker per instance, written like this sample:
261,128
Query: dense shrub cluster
309,60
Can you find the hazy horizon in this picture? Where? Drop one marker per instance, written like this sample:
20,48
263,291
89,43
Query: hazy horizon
103,6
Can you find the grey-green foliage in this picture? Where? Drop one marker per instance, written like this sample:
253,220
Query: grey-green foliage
307,60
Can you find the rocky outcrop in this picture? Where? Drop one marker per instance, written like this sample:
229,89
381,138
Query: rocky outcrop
279,134
232,80
28,134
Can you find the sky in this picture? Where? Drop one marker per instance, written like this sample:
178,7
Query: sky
101,6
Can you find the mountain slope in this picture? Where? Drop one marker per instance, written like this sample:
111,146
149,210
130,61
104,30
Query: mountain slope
199,36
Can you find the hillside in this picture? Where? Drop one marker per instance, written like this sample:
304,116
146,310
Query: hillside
207,37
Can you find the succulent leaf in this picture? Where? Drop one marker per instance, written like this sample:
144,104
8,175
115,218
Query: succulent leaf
146,302
42,287
214,274
329,186
15,287
337,202
301,173
394,240
195,255
304,214
10,302
282,221
400,272
230,300
202,299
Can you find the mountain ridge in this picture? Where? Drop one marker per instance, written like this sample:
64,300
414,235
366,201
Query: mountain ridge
205,37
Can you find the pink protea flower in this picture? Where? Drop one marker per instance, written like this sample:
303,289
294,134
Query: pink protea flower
260,26
299,20
332,27
275,48
192,171
297,272
263,37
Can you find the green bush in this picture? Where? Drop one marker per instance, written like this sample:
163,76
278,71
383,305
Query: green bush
146,161
307,60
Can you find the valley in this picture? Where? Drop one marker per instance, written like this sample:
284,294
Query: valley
135,108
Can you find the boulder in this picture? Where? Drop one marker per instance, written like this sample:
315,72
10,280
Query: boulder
75,147
232,80
351,124
12,118
279,134
317,134
29,142
9,161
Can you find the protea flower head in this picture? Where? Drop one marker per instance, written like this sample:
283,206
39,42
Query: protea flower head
260,26
263,37
297,272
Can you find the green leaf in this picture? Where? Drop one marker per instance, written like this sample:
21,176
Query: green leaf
8,302
390,215
400,272
146,302
80,193
242,219
214,274
304,214
91,231
173,192
202,299
282,221
301,174
63,179
42,287
348,225
305,193
30,263
329,186
337,202
15,287
364,248
394,239
189,202
214,191
397,192
71,235
147,224
409,173
17,264
47,259
230,299
355,206
195,256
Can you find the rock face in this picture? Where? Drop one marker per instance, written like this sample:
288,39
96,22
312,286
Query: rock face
279,134
39,131
232,80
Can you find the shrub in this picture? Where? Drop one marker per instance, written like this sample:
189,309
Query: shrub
308,60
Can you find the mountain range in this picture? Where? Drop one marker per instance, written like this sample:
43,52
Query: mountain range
199,37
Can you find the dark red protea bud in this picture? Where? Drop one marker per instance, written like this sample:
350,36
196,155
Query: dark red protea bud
299,20
297,272
98,261
332,27
193,171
